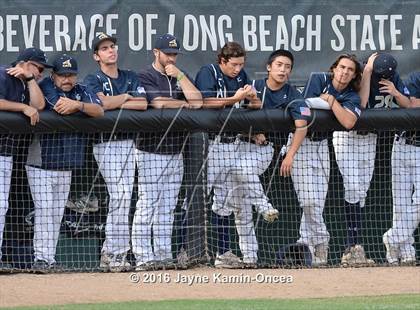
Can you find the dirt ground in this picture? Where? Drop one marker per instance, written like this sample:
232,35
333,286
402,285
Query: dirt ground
205,283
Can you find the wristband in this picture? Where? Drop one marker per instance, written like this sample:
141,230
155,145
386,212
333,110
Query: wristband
30,78
180,76
83,107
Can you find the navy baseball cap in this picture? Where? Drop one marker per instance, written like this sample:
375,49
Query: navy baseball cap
168,44
65,64
384,66
33,54
101,37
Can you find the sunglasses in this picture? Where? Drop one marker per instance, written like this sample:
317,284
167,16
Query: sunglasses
40,68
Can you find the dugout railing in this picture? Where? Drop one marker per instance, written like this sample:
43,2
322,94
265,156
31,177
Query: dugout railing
82,230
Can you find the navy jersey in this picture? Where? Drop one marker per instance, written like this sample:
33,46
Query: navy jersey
320,83
62,151
384,100
11,89
127,82
285,97
413,84
212,83
157,84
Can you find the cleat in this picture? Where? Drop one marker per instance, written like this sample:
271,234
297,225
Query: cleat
41,266
5,267
270,215
392,252
182,259
146,266
320,255
228,260
408,261
114,263
355,256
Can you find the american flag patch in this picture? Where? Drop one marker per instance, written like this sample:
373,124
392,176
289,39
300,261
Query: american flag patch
305,111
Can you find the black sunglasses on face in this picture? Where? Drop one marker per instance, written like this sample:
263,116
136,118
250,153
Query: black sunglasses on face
40,68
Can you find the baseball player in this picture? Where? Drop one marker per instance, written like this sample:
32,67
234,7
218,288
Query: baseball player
274,92
19,92
405,157
117,89
311,172
52,156
231,167
355,150
159,158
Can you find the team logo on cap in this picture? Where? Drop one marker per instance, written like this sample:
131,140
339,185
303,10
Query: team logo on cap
172,43
102,35
66,64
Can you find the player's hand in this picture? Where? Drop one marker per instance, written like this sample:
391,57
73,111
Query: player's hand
66,106
22,71
251,92
240,94
387,87
328,98
259,139
286,166
172,70
127,97
369,64
32,113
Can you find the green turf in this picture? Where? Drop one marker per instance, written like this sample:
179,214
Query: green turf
398,302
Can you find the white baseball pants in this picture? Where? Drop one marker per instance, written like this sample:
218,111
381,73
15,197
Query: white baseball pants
406,197
6,167
355,155
159,182
234,171
116,161
238,165
50,190
310,176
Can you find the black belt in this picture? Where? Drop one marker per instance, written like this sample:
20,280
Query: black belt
414,142
316,136
409,139
249,140
227,139
362,133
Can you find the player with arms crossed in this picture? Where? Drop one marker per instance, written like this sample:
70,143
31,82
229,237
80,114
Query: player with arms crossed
405,160
115,154
19,92
53,156
226,84
355,150
311,173
159,159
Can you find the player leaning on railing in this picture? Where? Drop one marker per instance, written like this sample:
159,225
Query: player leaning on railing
52,157
405,159
19,92
339,89
226,85
115,152
160,159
